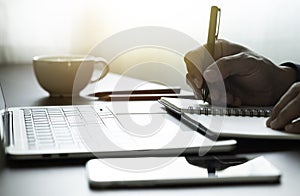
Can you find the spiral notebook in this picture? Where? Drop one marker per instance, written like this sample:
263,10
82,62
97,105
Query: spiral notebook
240,122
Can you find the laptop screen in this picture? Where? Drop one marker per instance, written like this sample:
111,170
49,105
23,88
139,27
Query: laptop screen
2,107
2,99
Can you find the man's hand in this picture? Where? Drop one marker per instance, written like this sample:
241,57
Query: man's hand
287,111
249,79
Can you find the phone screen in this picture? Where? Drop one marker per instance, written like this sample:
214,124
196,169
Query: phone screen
167,171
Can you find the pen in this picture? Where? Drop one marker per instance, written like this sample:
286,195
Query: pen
173,90
211,38
144,97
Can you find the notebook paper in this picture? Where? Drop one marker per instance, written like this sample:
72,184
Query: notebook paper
235,125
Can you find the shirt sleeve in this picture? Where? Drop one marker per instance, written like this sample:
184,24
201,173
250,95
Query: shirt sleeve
295,66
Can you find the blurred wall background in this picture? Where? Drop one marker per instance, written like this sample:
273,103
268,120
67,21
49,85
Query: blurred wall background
34,27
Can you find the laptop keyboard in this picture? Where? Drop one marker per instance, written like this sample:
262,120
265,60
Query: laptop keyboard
53,127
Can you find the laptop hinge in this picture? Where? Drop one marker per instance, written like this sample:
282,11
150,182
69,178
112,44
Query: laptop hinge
7,128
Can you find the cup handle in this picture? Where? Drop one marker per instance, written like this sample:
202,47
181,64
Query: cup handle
104,71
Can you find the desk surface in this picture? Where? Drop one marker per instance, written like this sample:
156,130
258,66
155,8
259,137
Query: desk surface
68,177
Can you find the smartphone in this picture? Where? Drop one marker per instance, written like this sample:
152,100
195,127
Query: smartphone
179,171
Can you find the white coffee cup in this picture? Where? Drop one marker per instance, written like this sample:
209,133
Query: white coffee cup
67,75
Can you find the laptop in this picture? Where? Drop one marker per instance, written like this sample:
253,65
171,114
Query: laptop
84,131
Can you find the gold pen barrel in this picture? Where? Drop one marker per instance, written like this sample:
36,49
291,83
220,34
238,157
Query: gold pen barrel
210,45
212,30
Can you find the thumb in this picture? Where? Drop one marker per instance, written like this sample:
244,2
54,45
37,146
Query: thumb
226,66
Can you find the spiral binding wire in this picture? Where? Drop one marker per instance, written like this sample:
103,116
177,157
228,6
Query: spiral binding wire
252,112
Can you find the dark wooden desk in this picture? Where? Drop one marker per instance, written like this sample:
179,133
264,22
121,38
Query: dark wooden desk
68,177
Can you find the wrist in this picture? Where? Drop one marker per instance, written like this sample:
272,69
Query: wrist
283,80
294,69
290,75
